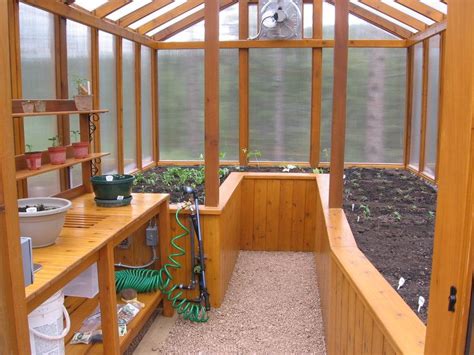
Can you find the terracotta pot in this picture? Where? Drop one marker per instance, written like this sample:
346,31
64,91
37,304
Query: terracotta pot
83,102
33,160
57,155
80,149
28,107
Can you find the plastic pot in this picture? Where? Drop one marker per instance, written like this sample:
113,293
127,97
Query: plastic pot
43,227
57,155
33,160
28,106
80,149
83,102
112,187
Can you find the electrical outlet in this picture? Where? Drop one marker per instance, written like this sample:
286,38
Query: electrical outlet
152,236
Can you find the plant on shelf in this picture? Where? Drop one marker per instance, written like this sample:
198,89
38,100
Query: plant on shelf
83,99
80,149
28,106
33,159
57,152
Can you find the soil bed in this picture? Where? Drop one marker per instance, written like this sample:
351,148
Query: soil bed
392,219
393,224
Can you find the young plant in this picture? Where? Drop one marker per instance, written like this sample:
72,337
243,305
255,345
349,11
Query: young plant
82,85
318,171
56,141
29,148
365,210
76,134
254,154
397,216
288,168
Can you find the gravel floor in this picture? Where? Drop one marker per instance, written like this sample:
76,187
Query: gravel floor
271,306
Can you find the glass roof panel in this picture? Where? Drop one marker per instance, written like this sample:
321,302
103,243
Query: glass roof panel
436,4
176,19
90,5
157,13
123,11
409,12
381,14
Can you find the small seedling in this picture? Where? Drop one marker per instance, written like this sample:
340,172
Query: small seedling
365,210
29,148
55,141
254,154
397,216
288,168
76,134
318,171
431,214
82,85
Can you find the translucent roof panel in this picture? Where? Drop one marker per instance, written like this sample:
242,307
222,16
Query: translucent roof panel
409,12
174,20
436,4
90,5
157,13
129,8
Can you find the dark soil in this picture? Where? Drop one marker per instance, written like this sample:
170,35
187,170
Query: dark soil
39,208
392,218
395,231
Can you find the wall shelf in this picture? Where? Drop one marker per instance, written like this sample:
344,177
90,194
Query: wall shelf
55,113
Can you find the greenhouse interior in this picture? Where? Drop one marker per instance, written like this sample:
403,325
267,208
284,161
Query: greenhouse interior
237,176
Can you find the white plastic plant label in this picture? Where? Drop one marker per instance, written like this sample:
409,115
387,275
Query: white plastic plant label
120,198
31,210
421,302
401,282
109,178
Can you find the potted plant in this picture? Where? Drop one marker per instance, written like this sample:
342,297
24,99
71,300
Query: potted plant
83,99
28,106
57,152
80,149
33,159
42,218
112,190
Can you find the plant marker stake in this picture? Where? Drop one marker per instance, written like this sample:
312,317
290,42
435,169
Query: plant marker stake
31,210
401,282
353,207
109,178
358,219
421,302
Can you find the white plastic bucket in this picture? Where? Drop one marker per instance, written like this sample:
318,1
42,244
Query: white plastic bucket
47,331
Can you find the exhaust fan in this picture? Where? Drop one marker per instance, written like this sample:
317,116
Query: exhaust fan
280,19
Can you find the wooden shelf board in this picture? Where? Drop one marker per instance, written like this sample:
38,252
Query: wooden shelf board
151,301
25,173
55,113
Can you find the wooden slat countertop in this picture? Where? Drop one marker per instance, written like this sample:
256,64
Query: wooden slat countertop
77,246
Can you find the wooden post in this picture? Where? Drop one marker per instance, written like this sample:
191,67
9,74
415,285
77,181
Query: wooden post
409,105
211,108
155,106
454,233
338,134
424,104
95,78
119,78
317,82
243,84
138,104
14,337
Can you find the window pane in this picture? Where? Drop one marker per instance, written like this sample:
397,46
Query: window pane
375,105
181,104
280,103
108,100
147,141
229,103
38,82
78,66
326,104
433,107
417,106
129,109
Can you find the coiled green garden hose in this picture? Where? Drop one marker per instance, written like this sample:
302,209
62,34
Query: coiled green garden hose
145,280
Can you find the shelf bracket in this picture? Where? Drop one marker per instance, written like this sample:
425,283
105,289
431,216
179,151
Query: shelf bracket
93,120
95,163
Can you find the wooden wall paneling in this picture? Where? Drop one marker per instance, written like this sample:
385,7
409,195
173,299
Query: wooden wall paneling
243,84
297,215
211,106
409,105
424,104
351,321
452,262
260,215
344,315
286,204
155,106
338,128
247,213
310,216
60,38
359,326
14,338
338,311
377,341
272,230
119,92
367,333
316,86
138,104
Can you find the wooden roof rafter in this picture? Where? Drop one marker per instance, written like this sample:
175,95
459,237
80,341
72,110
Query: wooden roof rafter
109,7
423,9
188,21
142,12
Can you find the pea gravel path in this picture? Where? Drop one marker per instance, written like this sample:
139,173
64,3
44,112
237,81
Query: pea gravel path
271,306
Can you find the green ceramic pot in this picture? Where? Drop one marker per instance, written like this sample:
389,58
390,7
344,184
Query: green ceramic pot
112,187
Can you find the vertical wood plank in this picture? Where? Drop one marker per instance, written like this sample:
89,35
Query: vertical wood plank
338,131
344,318
119,93
243,84
297,215
367,333
387,348
138,104
351,321
260,215
442,70
211,106
154,106
316,86
359,326
95,79
108,299
164,245
409,104
286,205
309,238
424,104
377,341
247,213
338,309
273,215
